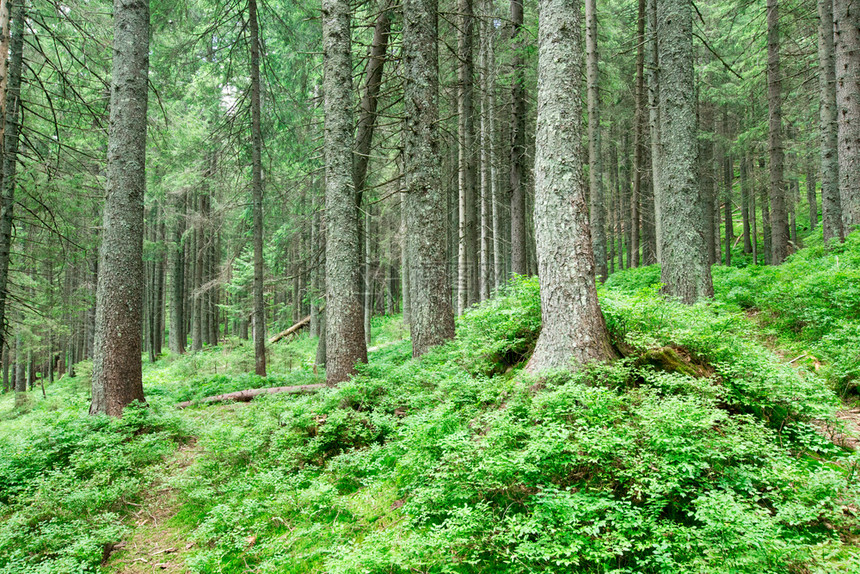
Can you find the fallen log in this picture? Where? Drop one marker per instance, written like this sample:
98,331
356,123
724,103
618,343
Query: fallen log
291,330
248,394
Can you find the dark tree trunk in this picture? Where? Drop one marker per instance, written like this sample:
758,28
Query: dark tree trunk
595,172
259,311
573,332
468,244
778,221
686,272
638,136
119,297
10,113
745,203
344,314
518,145
831,201
430,310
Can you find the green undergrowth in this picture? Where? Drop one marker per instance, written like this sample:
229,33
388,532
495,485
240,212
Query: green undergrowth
699,451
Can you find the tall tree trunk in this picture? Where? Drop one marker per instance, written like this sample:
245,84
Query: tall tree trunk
638,136
752,182
484,280
345,343
430,310
831,201
518,143
653,74
574,332
468,245
10,114
707,178
259,311
765,220
745,205
846,36
685,272
595,172
778,221
176,267
811,196
117,377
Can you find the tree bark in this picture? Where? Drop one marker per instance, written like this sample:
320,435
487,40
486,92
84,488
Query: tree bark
638,137
431,315
686,272
653,75
595,172
778,221
468,244
10,95
846,36
574,332
344,314
119,297
831,201
259,311
518,145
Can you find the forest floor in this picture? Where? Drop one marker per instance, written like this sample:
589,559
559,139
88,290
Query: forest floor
157,542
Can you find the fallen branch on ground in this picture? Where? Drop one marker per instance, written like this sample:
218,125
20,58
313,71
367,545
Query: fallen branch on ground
248,394
291,330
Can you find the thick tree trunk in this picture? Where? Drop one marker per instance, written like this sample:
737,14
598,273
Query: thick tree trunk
778,221
831,201
119,297
518,143
595,172
686,272
430,311
653,74
344,314
10,114
259,311
638,137
846,36
574,332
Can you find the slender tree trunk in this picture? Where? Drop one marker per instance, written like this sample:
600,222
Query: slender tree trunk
778,221
846,36
707,179
431,315
595,172
259,311
574,332
686,272
468,244
518,145
653,75
831,200
484,281
344,317
765,220
117,377
811,197
745,203
754,221
638,137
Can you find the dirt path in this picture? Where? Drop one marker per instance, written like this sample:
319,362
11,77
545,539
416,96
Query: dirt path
155,545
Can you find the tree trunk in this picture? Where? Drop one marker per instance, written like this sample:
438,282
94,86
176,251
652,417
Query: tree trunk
745,202
344,314
811,197
846,36
259,311
685,272
653,74
468,244
778,221
831,201
574,332
518,145
119,298
10,114
431,315
595,172
638,136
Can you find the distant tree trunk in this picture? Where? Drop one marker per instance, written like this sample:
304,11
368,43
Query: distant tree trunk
754,220
518,145
495,187
259,311
846,35
19,375
574,332
595,172
119,297
745,205
430,310
831,201
10,114
368,270
686,272
654,121
765,220
778,221
468,244
811,197
707,178
344,314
